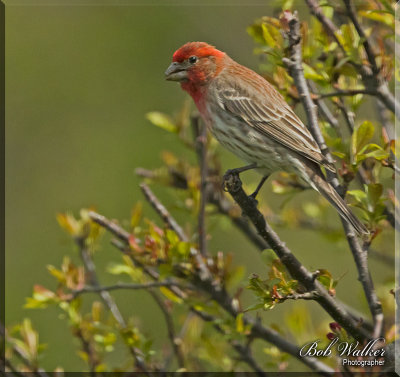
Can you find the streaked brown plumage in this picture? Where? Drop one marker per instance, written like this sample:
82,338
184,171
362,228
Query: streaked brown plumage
251,119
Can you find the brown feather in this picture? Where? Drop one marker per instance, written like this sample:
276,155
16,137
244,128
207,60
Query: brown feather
251,98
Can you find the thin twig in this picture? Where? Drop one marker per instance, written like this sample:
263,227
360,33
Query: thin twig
329,117
162,211
346,93
200,132
87,347
128,286
174,340
313,295
347,115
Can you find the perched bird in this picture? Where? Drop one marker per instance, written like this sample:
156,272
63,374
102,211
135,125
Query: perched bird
250,118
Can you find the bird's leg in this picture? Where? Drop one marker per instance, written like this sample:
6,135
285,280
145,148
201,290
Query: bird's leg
240,170
255,193
235,172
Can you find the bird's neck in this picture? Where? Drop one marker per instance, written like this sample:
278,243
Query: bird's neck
197,92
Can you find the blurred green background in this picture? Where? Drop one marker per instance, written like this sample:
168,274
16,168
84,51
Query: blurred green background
79,81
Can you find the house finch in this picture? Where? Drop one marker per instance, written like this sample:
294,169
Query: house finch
251,119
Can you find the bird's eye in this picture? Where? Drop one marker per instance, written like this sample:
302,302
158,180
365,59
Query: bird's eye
193,59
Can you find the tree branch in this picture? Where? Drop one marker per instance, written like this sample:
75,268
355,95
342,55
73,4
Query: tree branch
359,253
163,213
87,347
295,268
174,340
128,286
258,331
200,133
312,295
295,67
346,93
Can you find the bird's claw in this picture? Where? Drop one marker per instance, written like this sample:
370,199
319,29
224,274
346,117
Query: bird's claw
231,181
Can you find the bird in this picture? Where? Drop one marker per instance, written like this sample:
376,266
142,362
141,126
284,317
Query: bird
251,119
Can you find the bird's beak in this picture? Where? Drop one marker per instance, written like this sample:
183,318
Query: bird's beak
176,72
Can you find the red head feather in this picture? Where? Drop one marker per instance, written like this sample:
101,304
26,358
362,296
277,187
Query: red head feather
199,49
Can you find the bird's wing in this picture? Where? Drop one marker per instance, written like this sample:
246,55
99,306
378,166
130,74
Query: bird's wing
267,112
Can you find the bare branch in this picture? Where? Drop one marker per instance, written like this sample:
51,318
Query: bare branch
87,347
200,132
162,211
174,340
128,286
346,93
313,295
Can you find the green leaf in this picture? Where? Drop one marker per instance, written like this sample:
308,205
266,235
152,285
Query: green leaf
358,195
326,279
118,269
310,73
136,214
371,150
256,32
378,154
268,256
375,191
172,237
59,275
169,295
379,16
162,120
269,40
287,4
361,136
239,323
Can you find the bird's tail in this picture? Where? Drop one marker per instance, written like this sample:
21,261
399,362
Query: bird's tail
323,187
